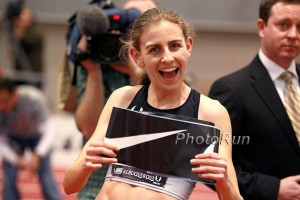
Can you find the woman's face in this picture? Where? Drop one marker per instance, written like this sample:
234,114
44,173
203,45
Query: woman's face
164,54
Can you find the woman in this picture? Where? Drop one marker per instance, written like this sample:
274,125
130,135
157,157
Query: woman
160,42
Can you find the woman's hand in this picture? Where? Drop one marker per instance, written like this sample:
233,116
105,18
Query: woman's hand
99,153
211,166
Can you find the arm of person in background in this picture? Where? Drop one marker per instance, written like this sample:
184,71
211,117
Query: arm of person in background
45,127
92,102
249,182
7,152
11,156
45,144
131,69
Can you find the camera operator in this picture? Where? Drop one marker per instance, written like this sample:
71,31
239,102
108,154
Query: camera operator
95,82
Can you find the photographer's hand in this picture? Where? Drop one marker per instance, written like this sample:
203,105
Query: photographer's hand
88,64
131,69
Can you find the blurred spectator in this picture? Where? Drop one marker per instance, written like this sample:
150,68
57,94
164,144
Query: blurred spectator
142,5
1,73
25,44
25,127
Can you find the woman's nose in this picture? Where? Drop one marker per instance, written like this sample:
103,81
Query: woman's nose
167,56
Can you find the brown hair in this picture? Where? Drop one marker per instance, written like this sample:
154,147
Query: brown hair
266,6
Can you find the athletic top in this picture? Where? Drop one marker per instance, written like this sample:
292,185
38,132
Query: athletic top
176,187
189,108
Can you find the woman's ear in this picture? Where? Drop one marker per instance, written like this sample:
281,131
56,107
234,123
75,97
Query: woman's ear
189,44
136,56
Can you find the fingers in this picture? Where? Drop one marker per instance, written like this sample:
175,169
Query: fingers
96,163
297,178
210,166
212,159
82,44
100,153
21,163
35,162
87,63
90,65
106,145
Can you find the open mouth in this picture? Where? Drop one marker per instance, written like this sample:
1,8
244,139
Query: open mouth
169,73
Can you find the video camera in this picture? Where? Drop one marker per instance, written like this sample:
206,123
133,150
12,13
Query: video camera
105,47
104,25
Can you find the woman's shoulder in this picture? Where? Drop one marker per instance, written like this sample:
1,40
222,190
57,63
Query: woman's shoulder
125,94
127,90
211,109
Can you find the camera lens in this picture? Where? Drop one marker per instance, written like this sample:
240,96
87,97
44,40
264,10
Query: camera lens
105,48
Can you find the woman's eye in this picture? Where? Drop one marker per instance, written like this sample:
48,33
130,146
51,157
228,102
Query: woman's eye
154,50
175,46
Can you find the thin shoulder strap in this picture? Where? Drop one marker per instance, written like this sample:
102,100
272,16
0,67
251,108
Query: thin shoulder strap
196,97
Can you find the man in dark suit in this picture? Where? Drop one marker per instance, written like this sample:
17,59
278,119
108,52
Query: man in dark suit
268,167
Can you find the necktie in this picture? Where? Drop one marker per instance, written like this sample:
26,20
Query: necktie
292,102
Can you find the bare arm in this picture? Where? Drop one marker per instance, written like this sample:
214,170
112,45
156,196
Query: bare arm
218,167
96,152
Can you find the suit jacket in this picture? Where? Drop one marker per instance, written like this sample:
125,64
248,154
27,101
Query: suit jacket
257,112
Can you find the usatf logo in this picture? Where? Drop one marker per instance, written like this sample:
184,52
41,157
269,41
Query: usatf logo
118,170
157,178
140,175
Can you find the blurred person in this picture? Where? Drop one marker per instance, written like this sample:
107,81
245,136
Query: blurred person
269,166
163,56
1,73
25,125
95,83
25,44
142,5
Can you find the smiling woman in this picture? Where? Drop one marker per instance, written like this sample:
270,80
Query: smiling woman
163,55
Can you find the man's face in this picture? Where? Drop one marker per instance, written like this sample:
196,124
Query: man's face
7,101
280,36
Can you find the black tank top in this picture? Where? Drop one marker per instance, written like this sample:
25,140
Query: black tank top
189,108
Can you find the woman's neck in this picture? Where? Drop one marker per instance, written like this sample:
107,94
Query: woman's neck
169,98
